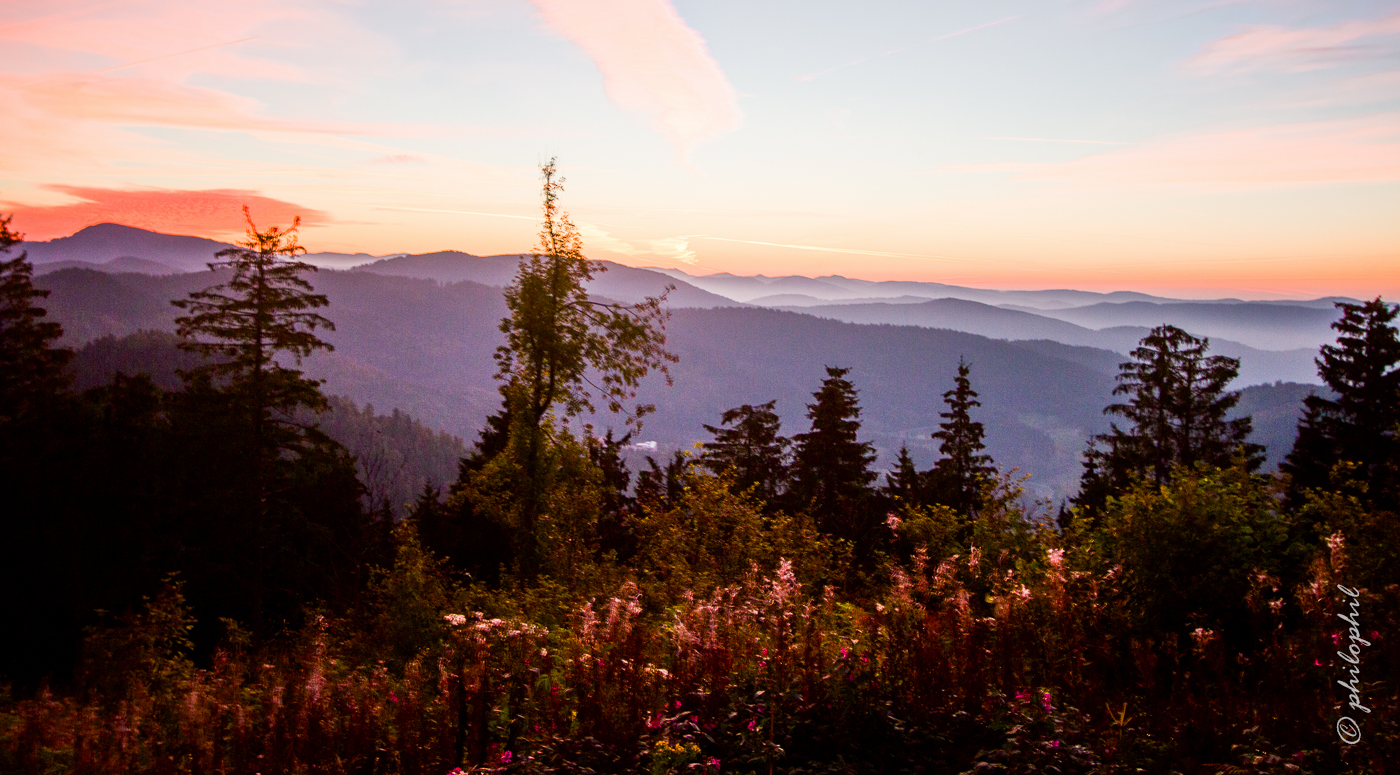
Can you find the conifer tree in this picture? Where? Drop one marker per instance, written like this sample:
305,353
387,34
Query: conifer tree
831,467
904,482
239,408
751,447
1361,425
1177,406
265,309
956,479
31,368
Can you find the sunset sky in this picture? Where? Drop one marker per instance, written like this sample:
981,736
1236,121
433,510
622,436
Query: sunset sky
1191,147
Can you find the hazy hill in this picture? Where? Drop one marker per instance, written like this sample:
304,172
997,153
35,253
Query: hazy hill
425,347
833,288
618,282
1256,365
99,245
1258,324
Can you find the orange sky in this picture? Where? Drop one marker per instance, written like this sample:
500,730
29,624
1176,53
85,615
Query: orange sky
1190,148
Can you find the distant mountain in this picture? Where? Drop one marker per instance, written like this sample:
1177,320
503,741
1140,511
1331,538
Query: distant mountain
120,265
1256,366
834,288
138,250
1265,325
425,347
619,283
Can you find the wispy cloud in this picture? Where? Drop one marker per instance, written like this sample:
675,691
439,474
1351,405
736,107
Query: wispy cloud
1271,47
812,76
205,213
1060,140
652,63
1350,150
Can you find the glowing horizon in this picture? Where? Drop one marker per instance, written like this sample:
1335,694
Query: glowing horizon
1188,149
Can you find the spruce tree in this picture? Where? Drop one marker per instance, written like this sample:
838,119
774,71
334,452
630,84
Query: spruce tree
31,368
831,467
291,516
956,479
242,326
1177,407
903,482
752,448
1360,426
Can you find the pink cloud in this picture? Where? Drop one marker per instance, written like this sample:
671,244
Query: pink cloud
150,102
1344,151
653,63
215,212
1270,47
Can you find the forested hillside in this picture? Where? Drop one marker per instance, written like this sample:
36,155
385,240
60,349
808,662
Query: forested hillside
425,348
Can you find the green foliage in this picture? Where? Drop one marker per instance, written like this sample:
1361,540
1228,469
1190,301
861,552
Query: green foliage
31,368
1362,424
145,652
1188,551
559,340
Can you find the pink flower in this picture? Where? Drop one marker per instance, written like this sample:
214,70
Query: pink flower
1045,702
845,653
1055,744
713,762
1317,662
505,758
678,704
752,725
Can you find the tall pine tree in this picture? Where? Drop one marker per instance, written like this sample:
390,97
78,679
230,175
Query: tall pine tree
1361,425
31,367
956,479
831,466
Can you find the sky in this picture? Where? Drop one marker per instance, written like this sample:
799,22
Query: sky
1197,148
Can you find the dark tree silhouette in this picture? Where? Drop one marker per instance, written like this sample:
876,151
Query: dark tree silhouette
751,448
1177,406
956,479
831,467
241,326
31,368
239,408
1361,425
904,482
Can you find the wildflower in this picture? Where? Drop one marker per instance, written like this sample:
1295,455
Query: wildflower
1024,593
1045,702
456,620
505,758
394,698
1054,743
1056,557
1317,663
713,762
752,725
845,653
892,520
